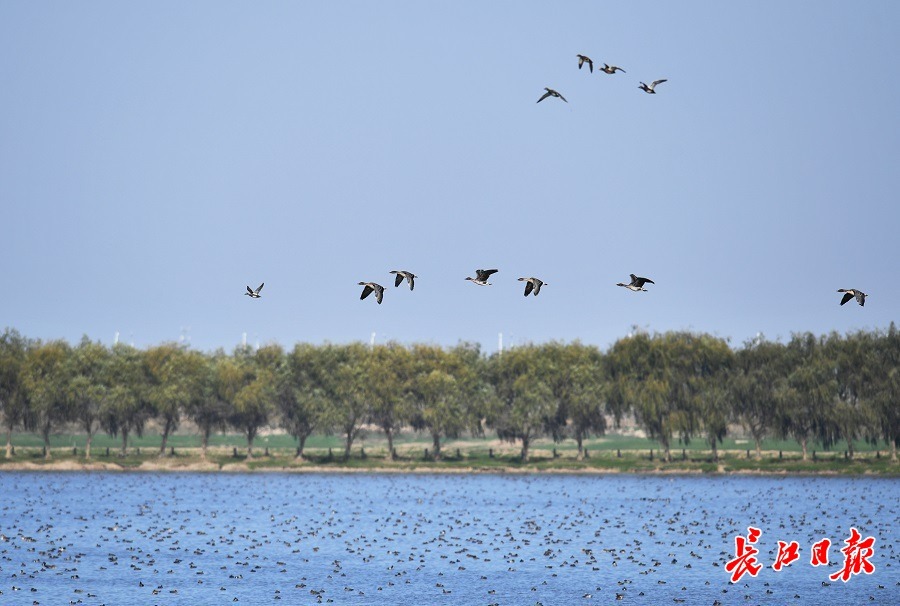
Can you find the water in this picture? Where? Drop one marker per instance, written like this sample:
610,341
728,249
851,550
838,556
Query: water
144,538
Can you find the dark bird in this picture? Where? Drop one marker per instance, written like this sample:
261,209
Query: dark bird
551,93
582,60
404,275
611,69
254,294
637,283
532,284
849,293
482,275
651,89
369,288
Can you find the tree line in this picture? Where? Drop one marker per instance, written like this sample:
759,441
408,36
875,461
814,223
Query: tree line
678,386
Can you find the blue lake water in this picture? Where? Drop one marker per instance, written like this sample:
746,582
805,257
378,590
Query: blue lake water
147,538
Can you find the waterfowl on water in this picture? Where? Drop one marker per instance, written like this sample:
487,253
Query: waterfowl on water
532,284
404,275
637,283
254,294
482,275
611,69
370,287
551,93
850,293
582,59
651,89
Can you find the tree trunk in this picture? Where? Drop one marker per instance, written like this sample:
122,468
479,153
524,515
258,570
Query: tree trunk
758,449
715,452
579,439
348,445
893,450
204,444
124,450
250,436
803,446
525,442
436,443
850,449
167,429
302,443
46,434
87,446
9,442
390,439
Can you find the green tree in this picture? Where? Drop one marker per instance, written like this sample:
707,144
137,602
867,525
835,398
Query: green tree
88,372
301,400
388,372
13,398
46,380
880,388
254,401
751,387
125,408
169,388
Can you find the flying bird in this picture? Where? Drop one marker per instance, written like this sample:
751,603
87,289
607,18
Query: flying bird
583,59
404,275
650,89
850,293
369,288
611,69
532,284
254,294
482,275
551,93
637,283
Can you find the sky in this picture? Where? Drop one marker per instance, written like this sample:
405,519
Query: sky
156,158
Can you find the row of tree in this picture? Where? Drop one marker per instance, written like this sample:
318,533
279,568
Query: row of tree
678,386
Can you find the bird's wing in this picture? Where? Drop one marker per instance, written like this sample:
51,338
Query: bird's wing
561,97
649,281
260,287
379,293
367,290
411,279
528,287
398,279
544,96
591,65
249,290
847,296
537,287
620,69
580,61
655,82
861,298
487,273
634,278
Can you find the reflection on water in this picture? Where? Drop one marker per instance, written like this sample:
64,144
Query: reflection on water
144,538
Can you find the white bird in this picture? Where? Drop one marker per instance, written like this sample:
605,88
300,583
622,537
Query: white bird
254,294
650,89
371,287
482,275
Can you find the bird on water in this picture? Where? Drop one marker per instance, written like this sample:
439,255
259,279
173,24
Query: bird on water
254,294
532,285
637,283
369,288
850,293
404,275
482,276
551,93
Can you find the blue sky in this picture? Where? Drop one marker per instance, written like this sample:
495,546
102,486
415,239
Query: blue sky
157,158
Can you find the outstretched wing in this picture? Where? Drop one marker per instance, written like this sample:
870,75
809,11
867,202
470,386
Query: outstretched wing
398,279
561,97
249,291
379,293
847,296
544,96
260,288
580,61
367,290
484,274
648,280
528,287
655,82
537,287
412,281
861,298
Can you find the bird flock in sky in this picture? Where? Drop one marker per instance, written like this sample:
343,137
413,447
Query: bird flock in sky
533,285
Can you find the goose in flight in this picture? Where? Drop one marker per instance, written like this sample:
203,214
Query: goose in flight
551,93
611,69
583,59
850,293
482,276
637,283
651,89
532,284
254,294
404,275
370,287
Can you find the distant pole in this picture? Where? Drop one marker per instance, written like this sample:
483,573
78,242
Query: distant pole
244,340
116,338
500,343
372,341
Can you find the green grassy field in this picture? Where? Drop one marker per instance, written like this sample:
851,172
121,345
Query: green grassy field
611,453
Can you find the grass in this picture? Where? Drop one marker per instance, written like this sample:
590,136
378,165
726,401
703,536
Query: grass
609,455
